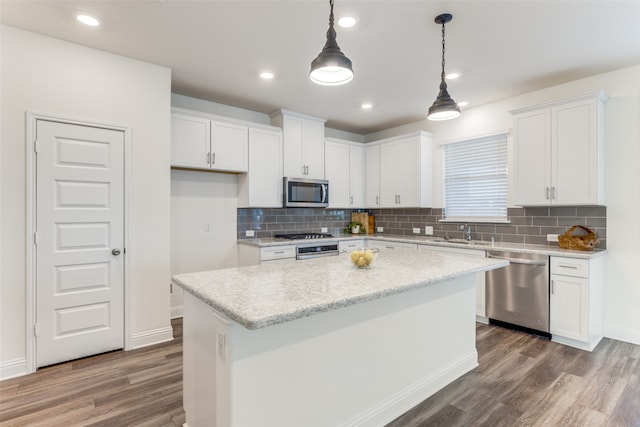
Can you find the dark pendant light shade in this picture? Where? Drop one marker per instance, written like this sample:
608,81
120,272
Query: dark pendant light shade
331,67
444,107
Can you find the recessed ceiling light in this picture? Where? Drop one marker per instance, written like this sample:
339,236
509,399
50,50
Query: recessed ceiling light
367,106
266,75
452,76
347,21
87,19
463,104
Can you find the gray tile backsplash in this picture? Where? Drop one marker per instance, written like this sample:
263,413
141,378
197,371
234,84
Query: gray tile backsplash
527,225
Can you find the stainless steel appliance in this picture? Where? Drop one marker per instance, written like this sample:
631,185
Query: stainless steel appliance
518,295
306,193
311,250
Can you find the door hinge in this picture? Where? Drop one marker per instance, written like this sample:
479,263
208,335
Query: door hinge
35,238
35,329
35,146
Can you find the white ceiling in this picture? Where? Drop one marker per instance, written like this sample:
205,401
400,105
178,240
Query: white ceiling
217,48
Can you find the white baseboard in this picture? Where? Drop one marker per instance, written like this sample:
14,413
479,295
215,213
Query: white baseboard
177,311
625,335
13,368
406,399
154,336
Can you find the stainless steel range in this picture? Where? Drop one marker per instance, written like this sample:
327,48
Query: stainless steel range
312,250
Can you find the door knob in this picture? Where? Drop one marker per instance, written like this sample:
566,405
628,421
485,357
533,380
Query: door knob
115,251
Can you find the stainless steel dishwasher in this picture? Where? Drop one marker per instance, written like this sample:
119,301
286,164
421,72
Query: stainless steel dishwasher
518,295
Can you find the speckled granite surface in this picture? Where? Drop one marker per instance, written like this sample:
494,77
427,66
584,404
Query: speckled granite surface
277,292
425,240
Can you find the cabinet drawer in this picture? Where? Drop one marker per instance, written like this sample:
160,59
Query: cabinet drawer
570,267
350,245
277,252
391,245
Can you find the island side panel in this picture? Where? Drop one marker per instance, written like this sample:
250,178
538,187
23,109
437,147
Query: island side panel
205,368
355,366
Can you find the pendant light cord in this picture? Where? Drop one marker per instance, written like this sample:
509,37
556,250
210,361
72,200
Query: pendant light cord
442,74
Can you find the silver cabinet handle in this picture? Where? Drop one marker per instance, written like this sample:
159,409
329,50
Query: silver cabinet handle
350,200
574,267
377,200
547,193
553,287
208,158
213,158
553,193
115,251
399,200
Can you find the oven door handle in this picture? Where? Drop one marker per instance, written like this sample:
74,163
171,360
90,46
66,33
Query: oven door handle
520,261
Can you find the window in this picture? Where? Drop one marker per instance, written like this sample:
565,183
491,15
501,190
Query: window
475,180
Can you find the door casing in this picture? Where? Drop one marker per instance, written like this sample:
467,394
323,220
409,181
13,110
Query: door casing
31,121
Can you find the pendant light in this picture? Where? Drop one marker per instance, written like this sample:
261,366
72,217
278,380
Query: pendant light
331,67
444,107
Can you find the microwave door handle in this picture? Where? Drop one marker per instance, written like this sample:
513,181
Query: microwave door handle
324,193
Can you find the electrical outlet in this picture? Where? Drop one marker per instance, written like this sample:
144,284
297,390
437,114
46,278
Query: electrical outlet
250,233
416,230
221,345
428,230
552,237
324,229
208,227
380,229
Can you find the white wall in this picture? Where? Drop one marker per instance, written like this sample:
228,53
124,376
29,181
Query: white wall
198,199
622,175
50,76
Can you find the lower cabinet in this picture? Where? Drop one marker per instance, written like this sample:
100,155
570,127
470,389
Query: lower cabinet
481,312
575,302
254,255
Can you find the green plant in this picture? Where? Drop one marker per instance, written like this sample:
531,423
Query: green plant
352,224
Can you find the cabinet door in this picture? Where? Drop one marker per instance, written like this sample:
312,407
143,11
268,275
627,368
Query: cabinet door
313,149
337,172
372,176
400,173
229,147
356,176
568,307
190,141
574,153
292,150
532,158
264,179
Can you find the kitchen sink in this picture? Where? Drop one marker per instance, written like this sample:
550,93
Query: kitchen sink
463,242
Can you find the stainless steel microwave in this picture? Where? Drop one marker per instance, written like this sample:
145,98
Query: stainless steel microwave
306,193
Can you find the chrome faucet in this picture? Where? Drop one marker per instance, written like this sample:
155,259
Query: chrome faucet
468,231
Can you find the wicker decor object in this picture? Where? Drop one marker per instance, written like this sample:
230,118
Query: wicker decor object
584,242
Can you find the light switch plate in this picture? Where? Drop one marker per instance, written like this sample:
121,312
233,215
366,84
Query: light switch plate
552,237
416,230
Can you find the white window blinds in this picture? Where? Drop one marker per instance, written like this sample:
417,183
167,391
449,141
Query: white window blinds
475,179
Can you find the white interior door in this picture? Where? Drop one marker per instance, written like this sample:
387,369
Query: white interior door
79,241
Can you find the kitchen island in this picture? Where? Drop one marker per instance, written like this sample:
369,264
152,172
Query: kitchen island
321,343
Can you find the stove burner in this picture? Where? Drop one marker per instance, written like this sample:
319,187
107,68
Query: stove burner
302,236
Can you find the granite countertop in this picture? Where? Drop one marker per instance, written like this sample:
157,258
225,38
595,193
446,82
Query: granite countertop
435,241
272,293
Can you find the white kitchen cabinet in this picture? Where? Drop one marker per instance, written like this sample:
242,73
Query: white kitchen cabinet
303,138
262,185
254,255
481,311
372,176
558,153
201,141
575,302
404,172
390,246
344,170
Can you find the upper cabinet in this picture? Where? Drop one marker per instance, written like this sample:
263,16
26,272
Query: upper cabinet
262,185
201,141
558,153
303,144
404,166
344,168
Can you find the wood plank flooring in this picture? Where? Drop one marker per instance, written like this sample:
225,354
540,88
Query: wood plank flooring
522,380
